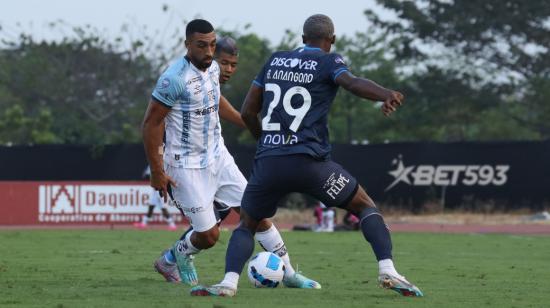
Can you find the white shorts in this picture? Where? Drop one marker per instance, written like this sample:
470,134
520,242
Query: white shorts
155,199
197,189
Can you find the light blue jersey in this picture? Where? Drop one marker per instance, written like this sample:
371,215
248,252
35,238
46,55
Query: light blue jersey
193,130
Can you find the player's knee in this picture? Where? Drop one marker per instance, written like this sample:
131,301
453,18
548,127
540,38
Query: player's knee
249,222
360,202
264,225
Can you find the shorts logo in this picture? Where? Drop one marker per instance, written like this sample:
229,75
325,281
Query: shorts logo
334,185
194,210
448,175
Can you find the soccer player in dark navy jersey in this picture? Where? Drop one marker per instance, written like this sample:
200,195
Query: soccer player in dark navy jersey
286,109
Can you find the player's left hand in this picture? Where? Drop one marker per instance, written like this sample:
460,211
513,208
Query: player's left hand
160,182
394,100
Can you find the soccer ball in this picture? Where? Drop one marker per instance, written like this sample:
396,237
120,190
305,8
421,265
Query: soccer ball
266,270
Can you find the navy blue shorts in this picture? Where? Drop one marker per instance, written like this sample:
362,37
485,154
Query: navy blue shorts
273,177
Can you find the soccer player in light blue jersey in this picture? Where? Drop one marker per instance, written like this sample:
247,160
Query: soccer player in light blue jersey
196,168
286,109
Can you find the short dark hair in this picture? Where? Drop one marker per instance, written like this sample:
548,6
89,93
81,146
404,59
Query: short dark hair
198,25
227,45
318,26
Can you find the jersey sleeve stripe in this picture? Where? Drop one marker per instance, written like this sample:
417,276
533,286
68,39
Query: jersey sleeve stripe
161,100
257,84
339,72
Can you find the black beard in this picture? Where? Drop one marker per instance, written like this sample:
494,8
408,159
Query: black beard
203,65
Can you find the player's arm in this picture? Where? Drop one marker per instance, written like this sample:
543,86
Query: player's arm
370,90
153,132
229,113
251,108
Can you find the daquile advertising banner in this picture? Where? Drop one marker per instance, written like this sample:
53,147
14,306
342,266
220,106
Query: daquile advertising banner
24,203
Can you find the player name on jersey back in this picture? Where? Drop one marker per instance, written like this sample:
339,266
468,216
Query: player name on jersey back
298,91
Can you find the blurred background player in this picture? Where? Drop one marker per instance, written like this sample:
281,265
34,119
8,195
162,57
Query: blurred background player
155,201
325,217
196,167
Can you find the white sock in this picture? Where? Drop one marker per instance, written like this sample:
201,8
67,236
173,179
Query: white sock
386,267
272,241
145,219
185,246
170,221
230,280
328,217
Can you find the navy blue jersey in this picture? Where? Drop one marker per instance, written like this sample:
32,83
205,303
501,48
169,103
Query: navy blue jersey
298,91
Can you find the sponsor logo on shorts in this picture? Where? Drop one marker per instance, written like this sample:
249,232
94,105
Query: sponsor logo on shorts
335,184
447,175
194,210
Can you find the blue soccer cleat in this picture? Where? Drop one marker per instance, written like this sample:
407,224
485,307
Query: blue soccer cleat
215,290
300,281
186,267
399,284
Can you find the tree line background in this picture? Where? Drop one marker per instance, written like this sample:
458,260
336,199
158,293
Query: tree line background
470,70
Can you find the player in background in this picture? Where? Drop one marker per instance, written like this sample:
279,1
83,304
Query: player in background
325,217
196,166
292,94
155,201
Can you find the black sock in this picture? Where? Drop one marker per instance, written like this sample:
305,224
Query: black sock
239,250
376,233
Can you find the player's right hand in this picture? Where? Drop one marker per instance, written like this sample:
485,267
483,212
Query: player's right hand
391,103
160,182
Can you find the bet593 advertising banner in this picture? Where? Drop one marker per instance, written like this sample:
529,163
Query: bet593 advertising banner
513,174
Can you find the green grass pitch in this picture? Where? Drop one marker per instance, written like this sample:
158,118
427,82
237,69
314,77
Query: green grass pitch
104,268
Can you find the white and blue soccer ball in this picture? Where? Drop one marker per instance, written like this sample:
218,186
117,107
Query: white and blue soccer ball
266,270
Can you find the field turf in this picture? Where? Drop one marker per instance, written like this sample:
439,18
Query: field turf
113,268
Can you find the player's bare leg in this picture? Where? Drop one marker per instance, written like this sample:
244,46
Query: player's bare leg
183,251
377,234
239,250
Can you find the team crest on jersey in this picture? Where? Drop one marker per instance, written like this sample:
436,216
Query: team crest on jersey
165,83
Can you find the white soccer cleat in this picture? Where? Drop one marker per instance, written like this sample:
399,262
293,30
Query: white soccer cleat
399,284
215,290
